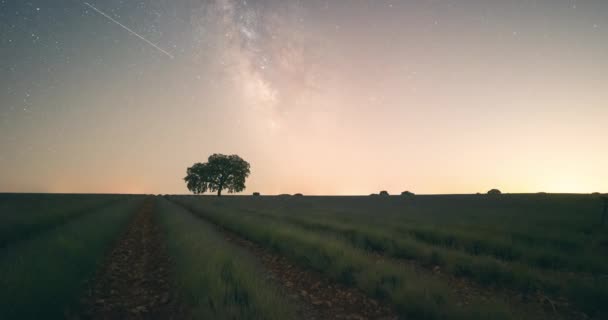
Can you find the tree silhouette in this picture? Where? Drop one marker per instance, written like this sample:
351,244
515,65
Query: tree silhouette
494,192
218,173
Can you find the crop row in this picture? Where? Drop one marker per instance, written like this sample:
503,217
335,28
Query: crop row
548,231
588,293
42,277
24,215
475,244
214,278
414,295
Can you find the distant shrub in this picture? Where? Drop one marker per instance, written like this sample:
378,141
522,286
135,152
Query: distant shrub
256,194
384,193
373,195
298,195
407,194
596,193
494,192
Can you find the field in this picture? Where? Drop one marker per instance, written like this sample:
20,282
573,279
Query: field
528,256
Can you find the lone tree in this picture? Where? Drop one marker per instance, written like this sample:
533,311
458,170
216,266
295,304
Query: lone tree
218,173
494,192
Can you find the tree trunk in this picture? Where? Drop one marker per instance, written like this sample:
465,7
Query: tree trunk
220,186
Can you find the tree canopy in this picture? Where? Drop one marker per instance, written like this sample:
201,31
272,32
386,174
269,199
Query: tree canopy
494,192
220,172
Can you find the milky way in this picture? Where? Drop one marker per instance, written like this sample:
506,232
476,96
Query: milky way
262,50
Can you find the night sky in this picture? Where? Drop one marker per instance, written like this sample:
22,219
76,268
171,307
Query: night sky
321,97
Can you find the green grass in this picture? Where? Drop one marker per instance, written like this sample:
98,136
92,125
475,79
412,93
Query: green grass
50,245
24,215
486,270
215,279
44,275
548,243
483,269
413,294
549,237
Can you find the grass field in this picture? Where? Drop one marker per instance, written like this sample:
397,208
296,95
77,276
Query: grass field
529,256
26,214
217,279
43,276
548,247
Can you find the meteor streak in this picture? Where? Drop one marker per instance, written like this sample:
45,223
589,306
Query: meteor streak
131,31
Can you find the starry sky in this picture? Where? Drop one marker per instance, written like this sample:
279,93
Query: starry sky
321,97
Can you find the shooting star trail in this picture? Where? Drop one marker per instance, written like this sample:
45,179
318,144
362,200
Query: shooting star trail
131,31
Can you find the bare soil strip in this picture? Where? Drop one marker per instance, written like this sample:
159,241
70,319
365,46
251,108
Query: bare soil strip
317,296
133,283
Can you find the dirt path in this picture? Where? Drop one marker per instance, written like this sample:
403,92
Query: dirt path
133,282
317,296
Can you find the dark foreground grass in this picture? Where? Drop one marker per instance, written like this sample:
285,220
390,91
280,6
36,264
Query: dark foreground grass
43,276
483,269
24,215
215,279
545,255
550,232
586,291
565,259
414,295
